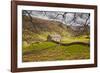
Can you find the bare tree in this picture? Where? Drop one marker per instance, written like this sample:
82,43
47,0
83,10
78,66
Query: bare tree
29,14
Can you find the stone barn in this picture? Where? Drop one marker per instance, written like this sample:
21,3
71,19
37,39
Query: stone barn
54,38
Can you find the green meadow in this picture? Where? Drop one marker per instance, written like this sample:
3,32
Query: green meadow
49,51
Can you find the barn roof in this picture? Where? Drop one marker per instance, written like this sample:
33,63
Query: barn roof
56,35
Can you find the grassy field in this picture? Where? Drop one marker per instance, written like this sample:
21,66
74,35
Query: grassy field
40,50
49,51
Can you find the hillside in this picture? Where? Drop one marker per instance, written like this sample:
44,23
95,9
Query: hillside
38,29
37,25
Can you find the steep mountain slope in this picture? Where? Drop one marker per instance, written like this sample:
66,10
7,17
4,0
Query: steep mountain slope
39,25
38,29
